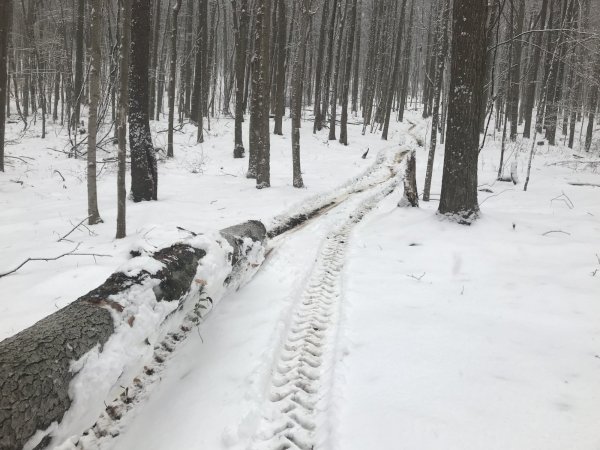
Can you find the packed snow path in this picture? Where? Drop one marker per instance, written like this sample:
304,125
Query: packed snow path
298,390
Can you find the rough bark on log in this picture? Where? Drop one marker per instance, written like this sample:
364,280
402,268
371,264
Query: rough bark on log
35,364
411,193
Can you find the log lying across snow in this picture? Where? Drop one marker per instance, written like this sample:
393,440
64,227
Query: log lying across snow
36,365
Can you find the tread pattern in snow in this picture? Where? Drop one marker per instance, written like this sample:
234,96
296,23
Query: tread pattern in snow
297,394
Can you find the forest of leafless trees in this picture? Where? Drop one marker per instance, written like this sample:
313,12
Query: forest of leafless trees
481,69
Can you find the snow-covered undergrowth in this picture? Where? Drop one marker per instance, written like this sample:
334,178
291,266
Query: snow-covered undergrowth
483,336
43,196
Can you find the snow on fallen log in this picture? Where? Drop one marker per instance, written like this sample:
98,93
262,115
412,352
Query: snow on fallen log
56,374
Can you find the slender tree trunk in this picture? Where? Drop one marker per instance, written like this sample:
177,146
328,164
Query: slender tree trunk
515,77
261,101
333,95
394,78
153,68
459,181
122,111
95,68
280,71
5,21
297,90
593,107
172,76
348,73
441,50
330,60
144,173
79,62
240,23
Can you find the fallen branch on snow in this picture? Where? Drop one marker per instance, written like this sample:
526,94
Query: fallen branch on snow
574,183
54,258
555,231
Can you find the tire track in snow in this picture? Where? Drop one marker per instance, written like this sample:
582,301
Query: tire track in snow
295,409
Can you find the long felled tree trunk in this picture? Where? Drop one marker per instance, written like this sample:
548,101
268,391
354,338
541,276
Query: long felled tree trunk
95,69
467,72
144,173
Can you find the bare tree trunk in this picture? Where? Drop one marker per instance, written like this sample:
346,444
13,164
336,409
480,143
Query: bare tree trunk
240,30
394,78
5,20
592,108
441,50
459,181
78,88
261,103
144,174
95,68
122,111
153,68
280,71
172,76
348,74
297,90
333,94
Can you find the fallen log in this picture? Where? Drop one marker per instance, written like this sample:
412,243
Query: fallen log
36,365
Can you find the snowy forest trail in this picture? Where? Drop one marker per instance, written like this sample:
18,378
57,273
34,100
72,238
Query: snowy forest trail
225,374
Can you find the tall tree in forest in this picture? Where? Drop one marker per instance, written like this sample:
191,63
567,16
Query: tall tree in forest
335,77
240,31
144,171
441,50
261,95
5,20
393,80
122,111
78,88
153,68
172,76
319,66
518,14
95,73
320,119
533,76
298,88
467,73
593,106
280,69
347,74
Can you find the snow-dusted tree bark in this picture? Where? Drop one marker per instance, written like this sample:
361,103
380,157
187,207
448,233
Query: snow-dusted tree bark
122,110
36,363
261,95
95,69
172,75
144,173
297,90
5,20
467,72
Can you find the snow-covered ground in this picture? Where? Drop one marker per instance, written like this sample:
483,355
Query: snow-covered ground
437,336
